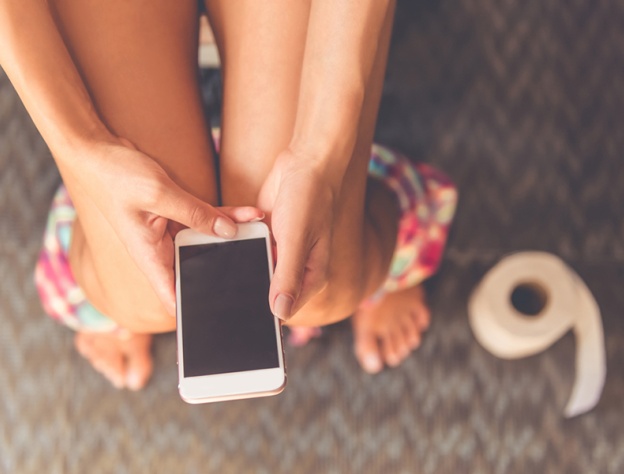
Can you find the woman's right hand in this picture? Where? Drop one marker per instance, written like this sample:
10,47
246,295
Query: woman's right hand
146,208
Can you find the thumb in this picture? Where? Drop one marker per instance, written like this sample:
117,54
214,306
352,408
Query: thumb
300,273
181,206
287,281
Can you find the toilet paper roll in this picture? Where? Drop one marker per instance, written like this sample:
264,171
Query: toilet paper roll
567,304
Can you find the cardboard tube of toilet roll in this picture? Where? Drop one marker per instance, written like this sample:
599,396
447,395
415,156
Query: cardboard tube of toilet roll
509,334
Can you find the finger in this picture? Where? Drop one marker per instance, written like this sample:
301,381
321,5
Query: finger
158,271
178,205
243,214
163,282
237,214
174,227
314,277
299,274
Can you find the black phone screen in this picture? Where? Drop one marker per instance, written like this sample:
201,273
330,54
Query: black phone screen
227,324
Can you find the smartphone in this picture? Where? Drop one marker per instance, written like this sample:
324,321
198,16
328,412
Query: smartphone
229,342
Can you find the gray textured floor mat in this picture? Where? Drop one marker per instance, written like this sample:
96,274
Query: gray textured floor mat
522,103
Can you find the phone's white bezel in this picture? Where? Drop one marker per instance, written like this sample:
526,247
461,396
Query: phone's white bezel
236,385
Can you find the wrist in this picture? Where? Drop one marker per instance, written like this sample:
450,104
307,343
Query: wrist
77,142
75,129
327,169
326,130
327,126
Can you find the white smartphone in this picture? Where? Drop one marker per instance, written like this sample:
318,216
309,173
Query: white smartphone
229,343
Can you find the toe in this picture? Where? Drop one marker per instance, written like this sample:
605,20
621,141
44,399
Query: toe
402,344
391,348
399,346
139,371
83,343
111,366
113,376
411,331
300,335
423,317
100,351
367,351
421,310
139,363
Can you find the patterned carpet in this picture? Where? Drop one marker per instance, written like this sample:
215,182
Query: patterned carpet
522,102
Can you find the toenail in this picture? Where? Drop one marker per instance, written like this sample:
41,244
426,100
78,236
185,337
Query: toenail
113,378
372,364
393,360
133,381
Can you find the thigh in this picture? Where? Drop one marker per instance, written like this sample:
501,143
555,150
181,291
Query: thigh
139,62
262,46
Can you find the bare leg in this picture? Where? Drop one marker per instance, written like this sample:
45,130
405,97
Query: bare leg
139,61
262,50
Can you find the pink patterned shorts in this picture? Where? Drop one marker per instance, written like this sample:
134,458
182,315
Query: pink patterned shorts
427,200
61,297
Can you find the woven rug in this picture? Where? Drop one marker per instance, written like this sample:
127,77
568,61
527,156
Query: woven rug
522,103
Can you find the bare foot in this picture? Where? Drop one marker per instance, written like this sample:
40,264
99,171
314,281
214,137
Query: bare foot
386,333
124,359
300,335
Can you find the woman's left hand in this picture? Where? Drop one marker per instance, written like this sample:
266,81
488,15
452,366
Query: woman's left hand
300,201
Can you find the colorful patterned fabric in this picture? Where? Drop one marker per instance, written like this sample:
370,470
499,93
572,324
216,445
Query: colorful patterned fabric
61,297
427,200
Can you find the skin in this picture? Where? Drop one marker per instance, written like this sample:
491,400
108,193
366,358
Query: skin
301,93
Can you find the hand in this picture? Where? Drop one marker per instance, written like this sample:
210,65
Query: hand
301,202
146,208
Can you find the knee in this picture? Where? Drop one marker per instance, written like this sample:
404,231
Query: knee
150,318
133,306
339,298
116,288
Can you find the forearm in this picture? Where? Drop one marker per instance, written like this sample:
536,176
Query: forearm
341,46
36,60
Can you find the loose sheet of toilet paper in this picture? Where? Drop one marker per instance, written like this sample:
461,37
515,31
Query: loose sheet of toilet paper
509,334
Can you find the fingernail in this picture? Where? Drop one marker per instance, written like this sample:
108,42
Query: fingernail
224,228
372,364
258,219
133,381
283,306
